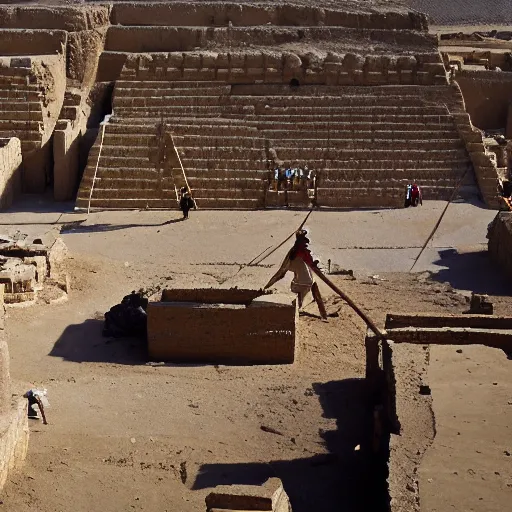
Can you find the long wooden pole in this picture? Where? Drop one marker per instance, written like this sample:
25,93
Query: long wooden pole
369,322
253,262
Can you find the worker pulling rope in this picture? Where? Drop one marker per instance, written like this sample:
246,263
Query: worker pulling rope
299,261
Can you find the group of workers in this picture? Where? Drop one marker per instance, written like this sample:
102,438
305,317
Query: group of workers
293,178
413,195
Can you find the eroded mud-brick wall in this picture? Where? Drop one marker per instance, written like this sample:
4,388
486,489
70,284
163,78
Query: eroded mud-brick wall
263,332
500,242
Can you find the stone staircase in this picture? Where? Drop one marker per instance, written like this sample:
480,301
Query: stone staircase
21,112
365,144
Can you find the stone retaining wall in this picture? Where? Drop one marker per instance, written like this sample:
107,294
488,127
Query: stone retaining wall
32,42
217,330
10,167
500,242
218,14
14,436
281,67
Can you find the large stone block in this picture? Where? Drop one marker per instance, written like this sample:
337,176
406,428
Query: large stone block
222,326
270,496
14,435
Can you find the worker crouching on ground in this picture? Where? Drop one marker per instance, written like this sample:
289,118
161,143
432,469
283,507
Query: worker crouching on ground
186,202
36,397
299,261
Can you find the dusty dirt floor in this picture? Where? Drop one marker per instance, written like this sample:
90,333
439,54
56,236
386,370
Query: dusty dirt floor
124,435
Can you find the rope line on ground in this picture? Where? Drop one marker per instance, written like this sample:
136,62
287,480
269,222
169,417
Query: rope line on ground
455,190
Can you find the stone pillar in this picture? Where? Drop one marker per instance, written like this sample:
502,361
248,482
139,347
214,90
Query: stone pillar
5,377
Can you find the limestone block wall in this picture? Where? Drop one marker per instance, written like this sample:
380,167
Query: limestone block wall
221,14
14,436
14,431
261,333
32,42
270,496
487,95
500,242
278,67
484,165
10,170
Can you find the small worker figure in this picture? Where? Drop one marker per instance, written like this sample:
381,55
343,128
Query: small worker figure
299,261
36,397
413,195
186,202
416,196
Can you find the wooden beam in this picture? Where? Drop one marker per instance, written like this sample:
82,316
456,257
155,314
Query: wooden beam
501,339
398,320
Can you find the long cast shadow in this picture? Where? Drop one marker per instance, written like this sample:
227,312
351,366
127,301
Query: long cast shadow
344,478
85,343
77,227
473,271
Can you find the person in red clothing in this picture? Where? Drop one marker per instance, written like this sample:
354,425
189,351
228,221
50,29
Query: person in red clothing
300,261
416,197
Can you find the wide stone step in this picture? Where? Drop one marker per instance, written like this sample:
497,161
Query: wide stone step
113,161
399,135
106,182
157,84
192,153
13,80
438,92
26,136
370,182
205,203
169,203
366,144
187,141
128,204
126,151
246,173
329,176
362,199
234,182
178,127
145,92
228,193
18,123
327,165
20,95
7,105
247,170
170,110
276,102
285,127
129,139
366,118
298,154
123,173
22,117
334,110
126,193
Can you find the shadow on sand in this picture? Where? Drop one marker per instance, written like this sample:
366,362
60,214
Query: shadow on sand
344,478
85,343
77,227
472,271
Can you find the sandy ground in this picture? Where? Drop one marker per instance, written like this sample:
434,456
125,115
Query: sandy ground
127,436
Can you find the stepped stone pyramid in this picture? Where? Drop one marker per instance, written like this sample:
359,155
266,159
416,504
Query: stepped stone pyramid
359,96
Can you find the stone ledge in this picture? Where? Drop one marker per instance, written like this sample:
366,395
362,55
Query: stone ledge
14,435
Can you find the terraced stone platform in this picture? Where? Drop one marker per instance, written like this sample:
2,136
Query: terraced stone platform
231,137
